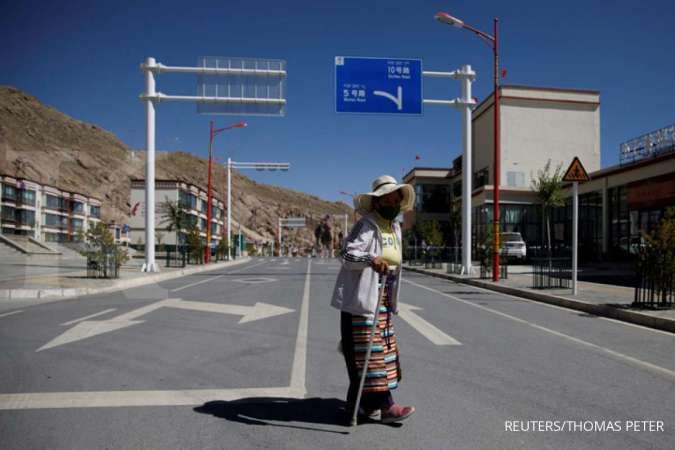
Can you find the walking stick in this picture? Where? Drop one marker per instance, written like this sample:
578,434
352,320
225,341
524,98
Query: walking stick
383,282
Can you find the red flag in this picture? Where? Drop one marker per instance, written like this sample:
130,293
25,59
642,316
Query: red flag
417,157
503,73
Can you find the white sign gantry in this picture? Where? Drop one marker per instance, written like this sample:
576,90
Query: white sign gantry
465,103
151,96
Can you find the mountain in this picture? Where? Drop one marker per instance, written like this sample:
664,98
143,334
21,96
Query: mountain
40,143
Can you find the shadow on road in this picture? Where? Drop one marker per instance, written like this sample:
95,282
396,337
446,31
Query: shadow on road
271,410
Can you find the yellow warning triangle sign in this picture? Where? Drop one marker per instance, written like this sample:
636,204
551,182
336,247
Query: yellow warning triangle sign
576,172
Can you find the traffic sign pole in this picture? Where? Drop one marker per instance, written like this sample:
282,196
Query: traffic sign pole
575,234
150,265
574,174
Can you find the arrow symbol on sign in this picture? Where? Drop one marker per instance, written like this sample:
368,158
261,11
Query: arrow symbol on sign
398,100
425,328
90,328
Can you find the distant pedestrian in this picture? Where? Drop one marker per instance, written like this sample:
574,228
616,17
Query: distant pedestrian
372,248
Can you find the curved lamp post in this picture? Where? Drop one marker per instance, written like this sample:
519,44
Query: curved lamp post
493,42
213,132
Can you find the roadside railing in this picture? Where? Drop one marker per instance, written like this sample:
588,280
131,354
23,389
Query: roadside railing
103,265
551,273
654,286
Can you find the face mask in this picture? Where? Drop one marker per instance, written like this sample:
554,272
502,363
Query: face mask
389,212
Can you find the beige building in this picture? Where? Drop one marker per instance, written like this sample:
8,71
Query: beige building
537,124
192,198
43,212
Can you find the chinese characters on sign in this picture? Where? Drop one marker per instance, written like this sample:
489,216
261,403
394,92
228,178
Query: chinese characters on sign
378,85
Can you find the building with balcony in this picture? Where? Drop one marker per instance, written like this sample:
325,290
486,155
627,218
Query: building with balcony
43,212
194,201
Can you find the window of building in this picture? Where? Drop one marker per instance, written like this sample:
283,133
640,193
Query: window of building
95,211
54,202
480,178
26,197
8,192
515,179
8,213
77,207
56,221
77,224
25,217
187,200
202,224
433,198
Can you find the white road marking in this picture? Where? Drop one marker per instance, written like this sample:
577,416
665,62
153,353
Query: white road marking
102,399
629,359
569,310
249,313
110,399
88,317
11,313
196,283
426,329
299,370
90,328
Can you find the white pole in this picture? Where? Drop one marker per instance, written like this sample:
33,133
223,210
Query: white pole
279,228
575,234
229,208
149,265
466,77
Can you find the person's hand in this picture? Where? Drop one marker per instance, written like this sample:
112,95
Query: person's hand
379,265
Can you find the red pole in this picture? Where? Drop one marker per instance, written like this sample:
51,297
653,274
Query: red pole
497,159
207,249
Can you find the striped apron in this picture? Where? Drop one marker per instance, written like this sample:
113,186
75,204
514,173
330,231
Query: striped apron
383,367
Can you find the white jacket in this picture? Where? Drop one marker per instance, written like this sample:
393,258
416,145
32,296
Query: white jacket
356,287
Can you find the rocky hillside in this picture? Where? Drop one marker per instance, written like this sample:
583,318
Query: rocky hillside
42,144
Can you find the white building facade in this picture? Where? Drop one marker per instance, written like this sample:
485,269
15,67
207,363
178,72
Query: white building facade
43,212
192,198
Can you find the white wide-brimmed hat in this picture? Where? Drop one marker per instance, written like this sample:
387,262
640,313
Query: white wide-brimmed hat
384,185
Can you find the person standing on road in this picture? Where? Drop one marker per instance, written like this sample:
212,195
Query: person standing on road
370,251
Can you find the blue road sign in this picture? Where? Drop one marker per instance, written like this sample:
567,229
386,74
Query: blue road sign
378,85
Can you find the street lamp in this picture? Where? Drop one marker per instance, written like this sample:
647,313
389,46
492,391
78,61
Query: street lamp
212,134
492,41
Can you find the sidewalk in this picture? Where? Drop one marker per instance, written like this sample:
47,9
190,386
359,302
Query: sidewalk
593,298
75,283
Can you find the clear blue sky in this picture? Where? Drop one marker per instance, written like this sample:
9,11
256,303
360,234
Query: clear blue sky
83,57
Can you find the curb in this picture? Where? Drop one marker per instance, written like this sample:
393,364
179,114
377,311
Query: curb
604,310
16,294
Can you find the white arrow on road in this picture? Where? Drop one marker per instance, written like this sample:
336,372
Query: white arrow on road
250,313
425,328
90,328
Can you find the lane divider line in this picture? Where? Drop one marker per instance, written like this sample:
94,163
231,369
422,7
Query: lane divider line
669,374
11,313
196,283
299,370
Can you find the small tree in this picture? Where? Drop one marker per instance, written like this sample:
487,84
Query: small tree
656,259
102,244
194,243
175,217
222,248
549,191
431,232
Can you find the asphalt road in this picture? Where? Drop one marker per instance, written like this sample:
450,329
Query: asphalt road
193,363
